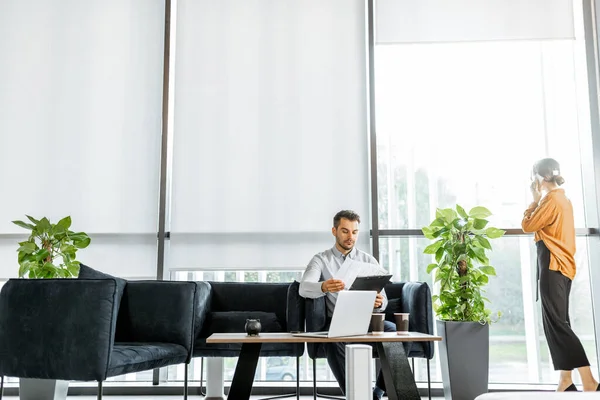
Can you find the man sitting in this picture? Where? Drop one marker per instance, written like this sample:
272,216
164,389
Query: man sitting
318,281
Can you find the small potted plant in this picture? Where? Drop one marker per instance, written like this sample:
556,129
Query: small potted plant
462,268
50,250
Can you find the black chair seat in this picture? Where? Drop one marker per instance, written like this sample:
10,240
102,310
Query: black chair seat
133,357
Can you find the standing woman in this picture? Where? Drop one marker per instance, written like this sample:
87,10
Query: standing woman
550,216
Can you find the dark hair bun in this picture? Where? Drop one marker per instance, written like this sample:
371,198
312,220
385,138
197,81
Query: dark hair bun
559,180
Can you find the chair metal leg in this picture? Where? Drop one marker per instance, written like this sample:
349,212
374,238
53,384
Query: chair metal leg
413,366
297,378
202,376
314,378
315,394
1,387
185,383
428,380
99,390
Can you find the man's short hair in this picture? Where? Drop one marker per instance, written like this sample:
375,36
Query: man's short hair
348,214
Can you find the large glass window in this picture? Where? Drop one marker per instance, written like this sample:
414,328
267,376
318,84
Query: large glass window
463,123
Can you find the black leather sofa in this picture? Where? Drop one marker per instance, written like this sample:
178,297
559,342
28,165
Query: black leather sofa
227,305
95,327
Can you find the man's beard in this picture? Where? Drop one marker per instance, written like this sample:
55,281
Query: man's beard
344,246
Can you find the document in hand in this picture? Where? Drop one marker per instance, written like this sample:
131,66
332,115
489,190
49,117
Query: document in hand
352,269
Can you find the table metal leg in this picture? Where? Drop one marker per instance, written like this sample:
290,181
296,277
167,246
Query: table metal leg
243,378
399,381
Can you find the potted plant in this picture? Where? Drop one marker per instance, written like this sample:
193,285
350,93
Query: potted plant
48,252
460,247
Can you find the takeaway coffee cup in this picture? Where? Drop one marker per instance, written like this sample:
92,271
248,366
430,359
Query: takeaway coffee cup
401,322
377,323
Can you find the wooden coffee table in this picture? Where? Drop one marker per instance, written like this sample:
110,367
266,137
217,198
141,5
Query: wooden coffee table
399,380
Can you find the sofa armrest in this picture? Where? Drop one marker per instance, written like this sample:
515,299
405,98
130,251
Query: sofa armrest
295,308
316,314
416,300
203,298
159,312
57,328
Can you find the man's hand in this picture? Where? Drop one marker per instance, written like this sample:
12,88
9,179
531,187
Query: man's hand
332,285
378,300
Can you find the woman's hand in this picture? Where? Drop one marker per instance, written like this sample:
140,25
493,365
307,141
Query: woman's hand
536,191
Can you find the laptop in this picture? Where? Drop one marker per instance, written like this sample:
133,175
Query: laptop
351,315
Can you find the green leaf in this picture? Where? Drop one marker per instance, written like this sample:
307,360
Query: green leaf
82,244
67,248
479,212
35,221
24,225
431,267
44,225
439,254
494,233
27,248
24,268
73,268
479,223
448,214
488,270
427,232
42,255
461,211
484,242
64,223
439,222
433,248
439,232
439,275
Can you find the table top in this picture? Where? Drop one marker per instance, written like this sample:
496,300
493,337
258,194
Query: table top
285,337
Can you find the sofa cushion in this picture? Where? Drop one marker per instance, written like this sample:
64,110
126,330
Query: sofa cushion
133,357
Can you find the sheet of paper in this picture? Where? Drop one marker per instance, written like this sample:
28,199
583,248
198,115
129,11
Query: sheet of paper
351,269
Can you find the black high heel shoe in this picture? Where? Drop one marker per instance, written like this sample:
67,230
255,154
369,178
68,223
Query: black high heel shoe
598,388
573,388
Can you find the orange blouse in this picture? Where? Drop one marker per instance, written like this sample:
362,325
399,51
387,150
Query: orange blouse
553,222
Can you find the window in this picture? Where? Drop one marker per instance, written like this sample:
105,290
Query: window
463,123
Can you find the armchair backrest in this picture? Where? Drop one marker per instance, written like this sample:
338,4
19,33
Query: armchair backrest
250,296
413,298
57,328
295,308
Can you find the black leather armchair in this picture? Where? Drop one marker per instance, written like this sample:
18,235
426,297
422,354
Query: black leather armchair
92,329
408,297
227,306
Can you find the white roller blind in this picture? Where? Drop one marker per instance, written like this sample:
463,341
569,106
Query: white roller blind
270,130
80,124
422,21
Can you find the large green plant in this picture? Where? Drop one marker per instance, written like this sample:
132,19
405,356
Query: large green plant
50,250
462,264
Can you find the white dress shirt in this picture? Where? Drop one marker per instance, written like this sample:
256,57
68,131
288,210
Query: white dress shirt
325,265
